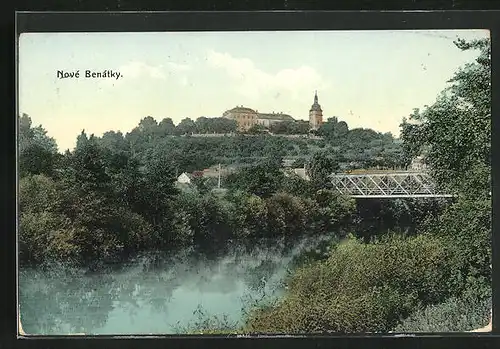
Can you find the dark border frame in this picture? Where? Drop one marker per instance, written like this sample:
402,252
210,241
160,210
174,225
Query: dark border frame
258,20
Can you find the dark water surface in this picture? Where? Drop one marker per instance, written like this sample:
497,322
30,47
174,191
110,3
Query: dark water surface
157,294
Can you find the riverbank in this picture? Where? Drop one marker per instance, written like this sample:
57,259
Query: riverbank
158,293
381,287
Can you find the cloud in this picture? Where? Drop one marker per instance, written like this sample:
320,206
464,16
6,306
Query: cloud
178,66
133,70
139,69
253,82
184,81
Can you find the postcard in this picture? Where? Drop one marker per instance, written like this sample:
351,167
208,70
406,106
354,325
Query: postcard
257,182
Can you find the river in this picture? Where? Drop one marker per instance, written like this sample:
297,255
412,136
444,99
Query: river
162,293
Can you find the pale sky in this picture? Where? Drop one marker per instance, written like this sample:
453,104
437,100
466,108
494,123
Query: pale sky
369,79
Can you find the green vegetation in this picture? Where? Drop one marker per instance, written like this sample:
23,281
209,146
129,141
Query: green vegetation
454,315
290,127
371,287
455,132
115,196
361,287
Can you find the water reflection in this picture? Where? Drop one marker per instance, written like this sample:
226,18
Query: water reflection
155,293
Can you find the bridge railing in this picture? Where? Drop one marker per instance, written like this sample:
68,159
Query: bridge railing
397,184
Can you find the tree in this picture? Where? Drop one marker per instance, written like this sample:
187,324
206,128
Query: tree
141,136
301,127
286,215
147,124
360,288
333,210
297,186
223,125
320,167
148,127
86,165
37,135
35,159
327,129
215,125
263,179
283,127
155,193
361,137
332,129
185,127
115,142
342,129
125,176
37,151
257,129
44,231
166,127
455,132
203,125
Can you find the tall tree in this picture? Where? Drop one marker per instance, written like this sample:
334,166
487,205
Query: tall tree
186,126
37,151
157,191
455,132
115,142
320,166
166,127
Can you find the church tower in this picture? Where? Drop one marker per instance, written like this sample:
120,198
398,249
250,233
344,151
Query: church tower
315,114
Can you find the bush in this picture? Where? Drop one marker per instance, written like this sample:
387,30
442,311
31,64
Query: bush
56,224
333,211
202,219
250,215
46,236
453,315
286,215
466,225
361,288
295,185
39,193
45,233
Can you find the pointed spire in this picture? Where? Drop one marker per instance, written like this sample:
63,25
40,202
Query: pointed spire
316,96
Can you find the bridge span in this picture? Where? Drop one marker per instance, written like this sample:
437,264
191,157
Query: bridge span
404,184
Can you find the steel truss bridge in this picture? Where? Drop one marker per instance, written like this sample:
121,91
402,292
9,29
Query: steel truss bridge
387,185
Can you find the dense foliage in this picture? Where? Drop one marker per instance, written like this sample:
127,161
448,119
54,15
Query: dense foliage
362,288
116,195
455,132
454,315
454,135
371,287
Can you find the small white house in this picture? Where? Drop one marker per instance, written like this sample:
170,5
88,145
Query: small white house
184,179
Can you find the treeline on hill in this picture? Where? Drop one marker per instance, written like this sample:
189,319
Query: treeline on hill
436,280
359,148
